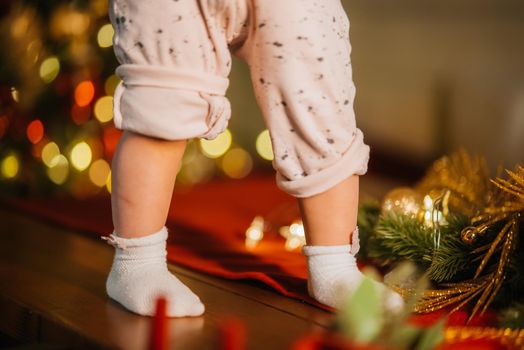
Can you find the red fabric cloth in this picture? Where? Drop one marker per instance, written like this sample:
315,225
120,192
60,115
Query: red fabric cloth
207,225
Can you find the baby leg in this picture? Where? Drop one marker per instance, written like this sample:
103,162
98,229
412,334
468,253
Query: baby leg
143,177
330,215
171,91
299,58
332,267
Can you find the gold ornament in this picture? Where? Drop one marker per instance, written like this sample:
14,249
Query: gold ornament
402,200
469,235
465,176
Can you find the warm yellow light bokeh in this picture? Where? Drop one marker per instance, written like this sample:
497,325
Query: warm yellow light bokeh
15,94
108,182
49,152
99,7
76,23
10,166
263,145
293,243
98,172
81,156
59,171
49,69
105,35
104,109
110,84
218,146
237,163
254,233
20,25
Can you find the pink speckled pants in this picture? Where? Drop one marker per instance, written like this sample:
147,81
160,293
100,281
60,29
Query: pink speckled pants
175,59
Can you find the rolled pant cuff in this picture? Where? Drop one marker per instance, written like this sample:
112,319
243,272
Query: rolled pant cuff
353,162
170,103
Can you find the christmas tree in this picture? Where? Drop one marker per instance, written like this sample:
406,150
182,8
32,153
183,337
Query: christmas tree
57,134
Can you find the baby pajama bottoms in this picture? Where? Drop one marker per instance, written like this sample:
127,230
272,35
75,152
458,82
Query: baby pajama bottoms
175,60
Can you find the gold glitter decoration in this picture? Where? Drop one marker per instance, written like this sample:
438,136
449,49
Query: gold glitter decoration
486,202
458,293
510,338
466,177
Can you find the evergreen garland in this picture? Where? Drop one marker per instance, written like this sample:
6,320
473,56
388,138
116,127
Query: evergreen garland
397,237
480,254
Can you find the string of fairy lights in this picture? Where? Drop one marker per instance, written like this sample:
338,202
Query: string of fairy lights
82,161
431,212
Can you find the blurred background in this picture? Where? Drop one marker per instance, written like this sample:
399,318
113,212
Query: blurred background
431,77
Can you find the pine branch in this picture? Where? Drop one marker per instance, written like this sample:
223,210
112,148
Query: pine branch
453,257
367,218
399,237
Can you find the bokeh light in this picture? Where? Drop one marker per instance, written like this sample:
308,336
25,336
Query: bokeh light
196,167
294,235
76,23
110,84
111,137
10,166
99,7
59,170
20,25
35,131
49,69
104,109
108,182
105,35
15,94
199,171
81,156
84,93
80,115
237,163
97,147
68,21
36,149
98,172
49,152
263,145
192,153
255,232
218,146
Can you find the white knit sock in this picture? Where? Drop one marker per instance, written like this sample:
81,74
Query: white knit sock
139,275
333,275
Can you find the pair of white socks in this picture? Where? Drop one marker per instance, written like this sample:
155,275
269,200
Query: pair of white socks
139,275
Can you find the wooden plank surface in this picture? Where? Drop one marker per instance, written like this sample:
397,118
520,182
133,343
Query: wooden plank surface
52,289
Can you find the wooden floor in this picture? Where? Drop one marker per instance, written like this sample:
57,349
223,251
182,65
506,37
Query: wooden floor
52,290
